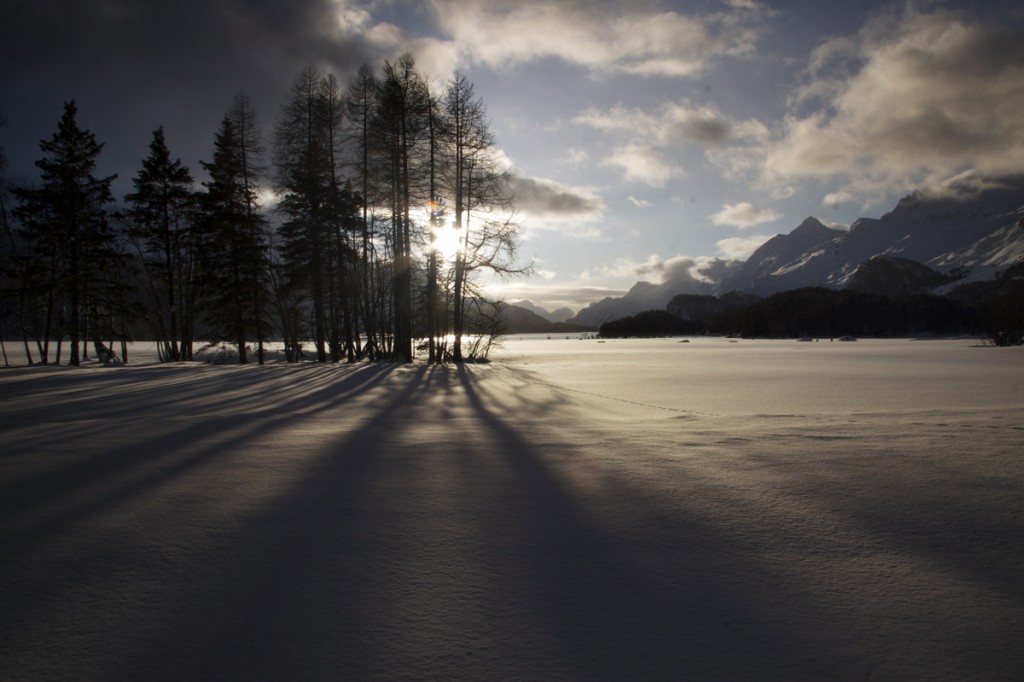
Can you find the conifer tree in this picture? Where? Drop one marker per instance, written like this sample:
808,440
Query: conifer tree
234,258
65,223
303,161
163,213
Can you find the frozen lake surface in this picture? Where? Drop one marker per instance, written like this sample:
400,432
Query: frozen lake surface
756,510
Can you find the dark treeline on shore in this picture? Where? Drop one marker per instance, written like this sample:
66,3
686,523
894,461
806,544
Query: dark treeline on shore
361,221
993,309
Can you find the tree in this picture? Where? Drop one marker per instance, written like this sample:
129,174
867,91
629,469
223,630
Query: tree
8,255
234,254
249,141
402,122
360,107
476,181
162,213
306,176
66,227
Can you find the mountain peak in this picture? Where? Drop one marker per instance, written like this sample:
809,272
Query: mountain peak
812,226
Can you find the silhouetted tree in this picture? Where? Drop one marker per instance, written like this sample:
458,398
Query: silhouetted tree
75,260
476,182
249,141
361,107
234,257
163,211
401,127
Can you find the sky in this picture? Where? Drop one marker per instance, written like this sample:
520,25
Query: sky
647,138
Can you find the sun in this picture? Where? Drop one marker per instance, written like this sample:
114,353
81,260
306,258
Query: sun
447,241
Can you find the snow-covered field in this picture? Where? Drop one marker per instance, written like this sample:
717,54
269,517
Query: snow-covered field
758,510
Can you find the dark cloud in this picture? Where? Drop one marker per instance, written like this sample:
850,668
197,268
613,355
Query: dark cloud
709,130
133,66
550,199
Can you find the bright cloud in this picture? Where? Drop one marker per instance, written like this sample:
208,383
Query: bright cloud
915,97
744,215
650,138
655,269
837,199
672,123
644,164
740,248
611,38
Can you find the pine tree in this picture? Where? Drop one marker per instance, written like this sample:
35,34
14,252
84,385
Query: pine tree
163,214
234,257
303,160
66,225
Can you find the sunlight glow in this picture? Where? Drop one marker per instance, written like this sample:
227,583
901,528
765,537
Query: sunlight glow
447,240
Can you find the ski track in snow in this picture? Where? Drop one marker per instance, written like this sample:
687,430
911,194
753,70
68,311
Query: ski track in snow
636,510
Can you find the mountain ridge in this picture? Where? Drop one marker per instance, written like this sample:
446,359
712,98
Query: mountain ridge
969,231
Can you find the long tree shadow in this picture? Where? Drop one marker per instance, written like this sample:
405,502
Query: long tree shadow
299,589
432,537
37,505
654,596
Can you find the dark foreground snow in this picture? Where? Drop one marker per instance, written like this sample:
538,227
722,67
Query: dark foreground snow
629,510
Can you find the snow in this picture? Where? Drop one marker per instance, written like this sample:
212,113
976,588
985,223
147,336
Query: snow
759,510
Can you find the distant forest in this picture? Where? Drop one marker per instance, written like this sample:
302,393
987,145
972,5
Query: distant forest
993,309
389,201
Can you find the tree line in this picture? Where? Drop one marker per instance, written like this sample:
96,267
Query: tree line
361,223
993,309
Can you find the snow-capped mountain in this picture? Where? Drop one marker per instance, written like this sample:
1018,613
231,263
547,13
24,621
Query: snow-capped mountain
810,237
969,231
969,228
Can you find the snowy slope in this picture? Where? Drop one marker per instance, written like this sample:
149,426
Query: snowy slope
810,237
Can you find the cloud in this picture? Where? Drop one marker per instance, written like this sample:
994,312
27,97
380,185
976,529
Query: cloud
656,269
672,123
913,98
644,164
540,197
574,295
740,248
837,199
638,203
603,38
744,215
647,139
575,158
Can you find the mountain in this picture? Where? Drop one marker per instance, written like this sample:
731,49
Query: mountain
970,230
519,320
781,250
559,315
891,276
646,296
